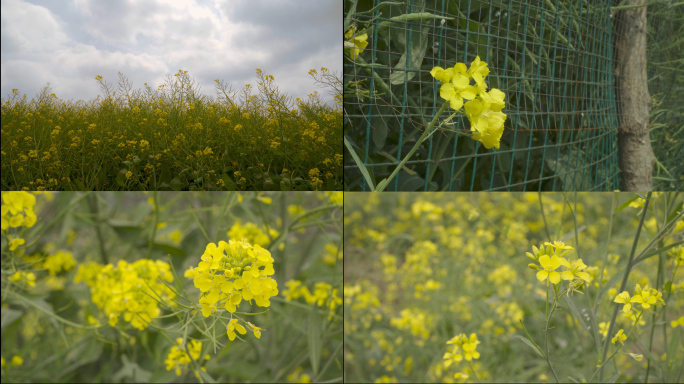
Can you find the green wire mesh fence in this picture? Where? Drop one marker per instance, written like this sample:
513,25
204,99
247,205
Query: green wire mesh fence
554,61
666,86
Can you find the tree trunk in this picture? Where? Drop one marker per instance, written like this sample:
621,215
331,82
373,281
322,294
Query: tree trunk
634,142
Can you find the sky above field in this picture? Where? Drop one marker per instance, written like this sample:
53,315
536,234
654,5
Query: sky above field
68,43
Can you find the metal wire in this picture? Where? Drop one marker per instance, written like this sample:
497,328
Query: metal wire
553,59
666,86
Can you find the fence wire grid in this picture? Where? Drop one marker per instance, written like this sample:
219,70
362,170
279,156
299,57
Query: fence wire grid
553,60
665,54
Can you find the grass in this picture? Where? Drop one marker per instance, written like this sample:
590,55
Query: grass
174,138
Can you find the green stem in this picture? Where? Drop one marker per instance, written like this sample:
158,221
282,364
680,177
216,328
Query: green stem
658,285
624,283
472,367
546,333
605,254
92,202
383,184
154,224
546,225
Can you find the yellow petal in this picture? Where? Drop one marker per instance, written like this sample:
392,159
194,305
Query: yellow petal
545,262
542,275
554,277
456,102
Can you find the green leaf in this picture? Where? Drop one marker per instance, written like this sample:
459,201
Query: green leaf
127,231
613,378
314,339
228,182
584,321
530,344
626,204
420,17
359,163
409,182
173,251
9,316
81,354
80,185
285,184
206,377
176,184
380,130
565,167
132,371
415,52
121,177
654,252
673,345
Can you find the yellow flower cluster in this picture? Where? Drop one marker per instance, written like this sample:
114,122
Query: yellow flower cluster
17,211
336,197
645,297
332,254
252,233
60,261
363,304
125,289
16,361
233,326
619,337
297,377
551,258
179,359
356,43
323,295
232,272
484,108
469,346
416,321
24,277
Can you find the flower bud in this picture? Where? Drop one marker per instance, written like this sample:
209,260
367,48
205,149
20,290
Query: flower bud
531,256
533,266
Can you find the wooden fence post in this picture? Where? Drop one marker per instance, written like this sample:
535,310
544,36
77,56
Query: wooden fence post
634,101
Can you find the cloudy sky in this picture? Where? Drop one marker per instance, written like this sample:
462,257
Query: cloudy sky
67,43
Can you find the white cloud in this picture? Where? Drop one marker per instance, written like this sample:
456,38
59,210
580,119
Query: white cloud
47,41
29,29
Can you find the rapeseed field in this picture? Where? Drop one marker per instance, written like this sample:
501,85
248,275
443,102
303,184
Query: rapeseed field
513,287
174,138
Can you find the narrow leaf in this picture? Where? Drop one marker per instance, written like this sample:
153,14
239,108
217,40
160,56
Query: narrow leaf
314,339
530,344
359,163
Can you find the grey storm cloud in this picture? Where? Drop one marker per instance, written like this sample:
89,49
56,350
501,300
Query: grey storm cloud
68,43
